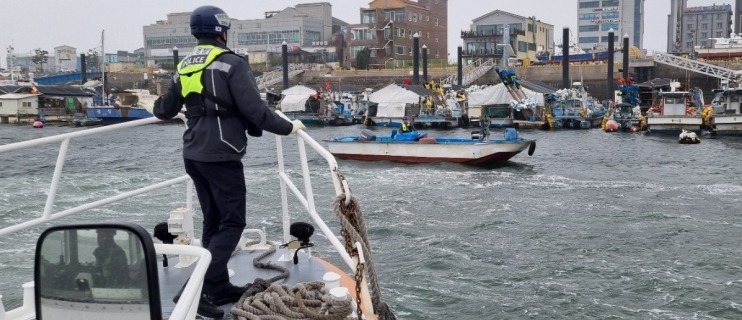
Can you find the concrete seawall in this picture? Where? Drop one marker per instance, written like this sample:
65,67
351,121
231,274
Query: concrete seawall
592,75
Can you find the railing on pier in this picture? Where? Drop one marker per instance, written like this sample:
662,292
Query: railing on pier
271,78
471,72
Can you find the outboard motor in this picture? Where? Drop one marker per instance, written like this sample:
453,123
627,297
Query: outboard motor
367,135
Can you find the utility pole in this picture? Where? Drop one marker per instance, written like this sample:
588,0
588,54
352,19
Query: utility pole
103,65
10,62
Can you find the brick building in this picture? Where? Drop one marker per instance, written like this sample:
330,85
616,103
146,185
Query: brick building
387,27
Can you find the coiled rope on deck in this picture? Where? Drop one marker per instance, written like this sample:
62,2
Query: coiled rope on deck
354,230
266,301
311,300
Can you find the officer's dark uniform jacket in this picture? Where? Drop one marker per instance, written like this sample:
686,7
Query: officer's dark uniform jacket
229,104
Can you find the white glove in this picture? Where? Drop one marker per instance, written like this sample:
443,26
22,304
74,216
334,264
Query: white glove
297,125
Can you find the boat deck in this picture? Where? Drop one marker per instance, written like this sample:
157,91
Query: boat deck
309,269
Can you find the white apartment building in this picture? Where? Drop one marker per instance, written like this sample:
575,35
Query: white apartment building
596,17
304,25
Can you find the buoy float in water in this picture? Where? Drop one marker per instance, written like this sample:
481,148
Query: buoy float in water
611,126
38,124
688,137
634,129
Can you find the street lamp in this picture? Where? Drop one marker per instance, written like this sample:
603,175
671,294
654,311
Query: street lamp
693,44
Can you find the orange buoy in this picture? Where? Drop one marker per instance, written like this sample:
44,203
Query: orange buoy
634,129
611,126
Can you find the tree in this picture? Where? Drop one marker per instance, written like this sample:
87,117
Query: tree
363,58
40,57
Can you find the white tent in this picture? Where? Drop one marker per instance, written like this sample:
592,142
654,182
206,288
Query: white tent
498,94
295,98
392,100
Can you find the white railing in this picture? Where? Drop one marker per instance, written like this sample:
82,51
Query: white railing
470,72
186,308
270,78
698,66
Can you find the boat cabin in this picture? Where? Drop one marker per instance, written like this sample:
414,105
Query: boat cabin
674,103
728,101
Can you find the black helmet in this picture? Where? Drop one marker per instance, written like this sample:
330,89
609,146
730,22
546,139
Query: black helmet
106,233
209,20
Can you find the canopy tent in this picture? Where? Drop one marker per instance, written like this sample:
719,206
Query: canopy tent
392,100
295,98
498,94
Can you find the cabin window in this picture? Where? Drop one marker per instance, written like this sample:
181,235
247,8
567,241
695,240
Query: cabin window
26,104
1,104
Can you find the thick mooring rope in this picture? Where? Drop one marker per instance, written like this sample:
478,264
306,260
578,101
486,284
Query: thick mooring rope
304,301
354,230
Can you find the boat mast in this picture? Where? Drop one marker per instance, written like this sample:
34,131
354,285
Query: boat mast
103,65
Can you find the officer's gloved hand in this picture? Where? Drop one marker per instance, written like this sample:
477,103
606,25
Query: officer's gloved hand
297,125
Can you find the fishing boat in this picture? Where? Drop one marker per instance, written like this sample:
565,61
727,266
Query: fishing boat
723,48
574,108
67,285
417,147
431,105
127,105
313,107
724,116
625,115
679,110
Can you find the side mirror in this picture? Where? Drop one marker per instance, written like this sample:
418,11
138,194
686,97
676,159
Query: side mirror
96,271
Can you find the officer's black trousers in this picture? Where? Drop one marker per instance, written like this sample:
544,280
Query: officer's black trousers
222,193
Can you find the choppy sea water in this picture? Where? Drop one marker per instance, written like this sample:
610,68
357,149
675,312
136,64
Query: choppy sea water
593,226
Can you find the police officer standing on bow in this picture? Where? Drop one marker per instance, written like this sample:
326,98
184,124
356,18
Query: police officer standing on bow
222,103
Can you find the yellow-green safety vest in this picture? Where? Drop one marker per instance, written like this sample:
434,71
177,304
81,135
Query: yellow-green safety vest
192,67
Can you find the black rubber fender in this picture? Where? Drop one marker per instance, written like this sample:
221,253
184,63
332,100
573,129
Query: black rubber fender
532,148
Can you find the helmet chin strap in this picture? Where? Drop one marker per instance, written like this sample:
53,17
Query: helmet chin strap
223,37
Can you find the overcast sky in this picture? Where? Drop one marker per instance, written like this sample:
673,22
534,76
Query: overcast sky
78,23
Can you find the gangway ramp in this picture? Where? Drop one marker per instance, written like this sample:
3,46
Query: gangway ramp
268,79
698,67
470,72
